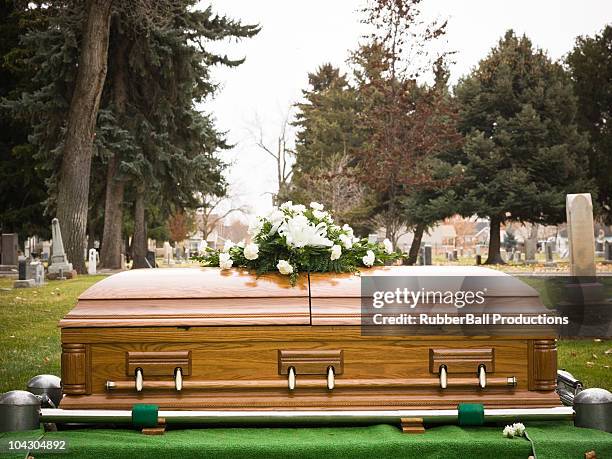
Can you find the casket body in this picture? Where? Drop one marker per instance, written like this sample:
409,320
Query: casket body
236,338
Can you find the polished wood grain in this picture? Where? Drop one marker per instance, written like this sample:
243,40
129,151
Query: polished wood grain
461,360
310,362
74,369
193,283
158,363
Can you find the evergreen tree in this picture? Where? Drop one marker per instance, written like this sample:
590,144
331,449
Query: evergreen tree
523,151
590,63
22,190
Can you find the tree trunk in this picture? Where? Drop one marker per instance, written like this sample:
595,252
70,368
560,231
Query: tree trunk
494,257
110,252
413,253
73,185
139,241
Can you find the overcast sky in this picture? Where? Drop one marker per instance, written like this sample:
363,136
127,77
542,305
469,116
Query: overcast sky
298,36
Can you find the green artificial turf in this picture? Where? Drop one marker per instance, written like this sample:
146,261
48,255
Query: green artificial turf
552,441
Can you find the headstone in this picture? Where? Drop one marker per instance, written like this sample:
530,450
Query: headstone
580,232
39,273
455,255
608,252
427,254
478,260
10,249
548,249
478,249
168,252
22,268
123,262
150,258
46,250
58,265
93,261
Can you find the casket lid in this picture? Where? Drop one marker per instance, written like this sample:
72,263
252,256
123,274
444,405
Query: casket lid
190,297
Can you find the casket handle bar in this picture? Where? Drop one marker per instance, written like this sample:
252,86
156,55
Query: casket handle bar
329,383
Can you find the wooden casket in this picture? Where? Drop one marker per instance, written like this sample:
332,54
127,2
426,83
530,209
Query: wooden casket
227,340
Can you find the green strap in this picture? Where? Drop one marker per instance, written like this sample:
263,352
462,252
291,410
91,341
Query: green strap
144,415
470,414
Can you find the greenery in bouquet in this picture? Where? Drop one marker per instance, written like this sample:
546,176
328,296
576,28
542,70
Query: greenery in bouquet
294,239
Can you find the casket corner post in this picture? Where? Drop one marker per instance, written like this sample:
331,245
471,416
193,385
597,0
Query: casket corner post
543,364
74,369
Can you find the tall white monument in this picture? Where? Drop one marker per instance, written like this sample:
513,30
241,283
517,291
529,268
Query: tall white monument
58,262
581,234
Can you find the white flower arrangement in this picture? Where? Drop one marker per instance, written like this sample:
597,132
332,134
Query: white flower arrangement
294,238
515,430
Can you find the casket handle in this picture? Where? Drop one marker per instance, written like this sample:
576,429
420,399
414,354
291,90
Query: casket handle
138,379
443,377
482,376
291,378
331,378
178,378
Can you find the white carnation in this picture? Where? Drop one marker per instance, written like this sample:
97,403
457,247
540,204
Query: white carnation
228,245
336,251
316,206
240,244
519,429
284,267
319,214
251,251
299,208
347,242
388,246
286,205
348,230
508,432
369,258
225,260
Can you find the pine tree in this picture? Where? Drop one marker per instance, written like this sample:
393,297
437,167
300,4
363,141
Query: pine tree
590,63
523,152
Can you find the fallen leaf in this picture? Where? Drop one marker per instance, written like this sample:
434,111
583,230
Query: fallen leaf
590,364
597,340
595,356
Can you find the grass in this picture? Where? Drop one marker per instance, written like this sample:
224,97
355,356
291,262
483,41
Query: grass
30,338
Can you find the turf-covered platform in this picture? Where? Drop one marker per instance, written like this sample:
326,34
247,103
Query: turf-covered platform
551,440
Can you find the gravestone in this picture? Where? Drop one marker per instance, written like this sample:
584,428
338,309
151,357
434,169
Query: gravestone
608,252
478,249
22,268
10,249
123,261
93,261
59,266
150,258
478,260
455,255
580,232
548,249
36,272
168,253
427,254
530,250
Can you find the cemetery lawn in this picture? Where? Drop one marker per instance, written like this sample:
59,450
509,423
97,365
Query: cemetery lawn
30,338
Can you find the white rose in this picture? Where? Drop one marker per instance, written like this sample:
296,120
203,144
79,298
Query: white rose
388,246
347,242
225,261
284,267
228,245
299,232
316,206
319,214
519,429
336,251
251,251
508,432
240,244
299,208
348,229
286,205
369,258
